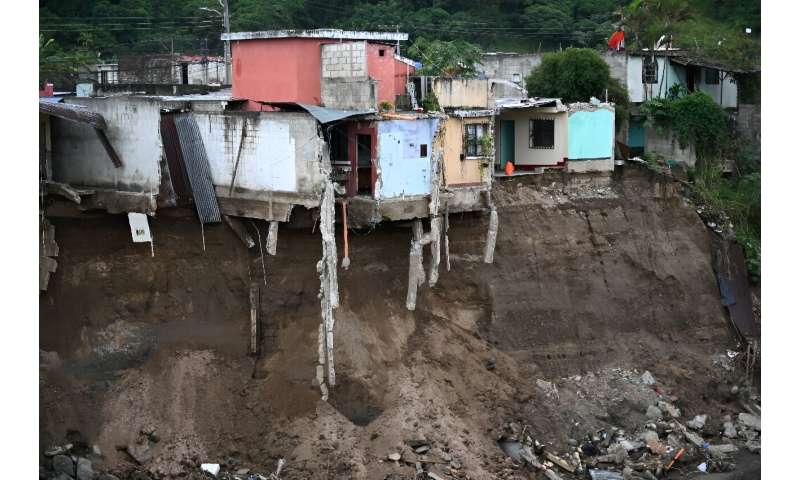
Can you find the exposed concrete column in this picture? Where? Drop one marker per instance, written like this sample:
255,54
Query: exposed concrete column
446,237
272,238
491,237
436,241
416,272
329,291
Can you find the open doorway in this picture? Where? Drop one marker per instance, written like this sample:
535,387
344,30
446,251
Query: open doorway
364,163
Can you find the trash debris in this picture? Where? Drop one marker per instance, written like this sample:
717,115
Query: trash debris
653,413
729,430
560,462
698,422
647,378
395,457
750,421
703,467
721,451
675,459
669,408
604,475
212,468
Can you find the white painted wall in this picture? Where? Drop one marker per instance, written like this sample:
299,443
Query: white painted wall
280,151
79,158
671,75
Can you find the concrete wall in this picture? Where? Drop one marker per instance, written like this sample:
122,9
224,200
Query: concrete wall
591,133
79,158
344,60
617,64
204,73
401,169
458,170
506,66
524,155
461,92
666,145
281,152
724,93
346,83
382,70
402,72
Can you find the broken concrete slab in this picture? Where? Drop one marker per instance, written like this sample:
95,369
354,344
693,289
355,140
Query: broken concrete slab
729,430
750,421
698,422
647,378
723,450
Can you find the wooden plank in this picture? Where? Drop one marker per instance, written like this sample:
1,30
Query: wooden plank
64,190
73,113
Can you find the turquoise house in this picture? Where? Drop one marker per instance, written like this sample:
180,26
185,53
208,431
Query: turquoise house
590,144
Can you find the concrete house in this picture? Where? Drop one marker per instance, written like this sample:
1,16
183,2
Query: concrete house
331,68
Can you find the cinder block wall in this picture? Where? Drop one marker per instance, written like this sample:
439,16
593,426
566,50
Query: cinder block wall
345,77
344,60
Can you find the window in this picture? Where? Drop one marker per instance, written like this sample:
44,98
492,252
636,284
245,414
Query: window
103,76
541,133
423,150
649,70
712,76
473,133
516,77
381,52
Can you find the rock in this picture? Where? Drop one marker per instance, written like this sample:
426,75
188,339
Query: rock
572,442
696,439
64,464
616,454
630,445
62,476
653,412
671,409
648,436
698,422
754,446
647,378
749,421
422,450
140,452
721,451
212,468
96,450
734,389
395,457
84,470
57,450
730,430
107,476
243,471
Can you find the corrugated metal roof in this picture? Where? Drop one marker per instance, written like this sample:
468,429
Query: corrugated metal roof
527,102
198,168
327,115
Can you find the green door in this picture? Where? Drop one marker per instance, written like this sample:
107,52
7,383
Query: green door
506,142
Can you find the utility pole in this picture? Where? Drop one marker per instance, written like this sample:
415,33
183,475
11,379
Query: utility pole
226,22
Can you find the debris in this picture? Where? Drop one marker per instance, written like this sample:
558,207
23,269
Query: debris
212,468
631,446
84,470
139,452
422,449
616,454
560,462
395,457
140,230
346,259
671,409
240,230
277,474
604,475
656,447
696,439
548,388
57,450
730,430
272,238
703,467
64,464
647,378
750,421
753,446
653,412
720,451
675,459
698,422
491,237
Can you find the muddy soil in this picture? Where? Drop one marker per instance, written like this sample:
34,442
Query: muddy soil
596,279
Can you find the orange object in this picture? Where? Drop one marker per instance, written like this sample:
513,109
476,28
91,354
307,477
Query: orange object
616,40
509,168
677,457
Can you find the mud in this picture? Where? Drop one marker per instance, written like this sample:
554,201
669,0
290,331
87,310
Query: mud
595,279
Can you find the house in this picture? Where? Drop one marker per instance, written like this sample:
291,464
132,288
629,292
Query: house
159,69
532,134
590,137
326,67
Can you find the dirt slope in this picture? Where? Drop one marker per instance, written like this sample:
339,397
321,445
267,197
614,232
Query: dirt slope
594,277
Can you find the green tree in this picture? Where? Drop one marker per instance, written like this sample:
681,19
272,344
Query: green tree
446,59
575,75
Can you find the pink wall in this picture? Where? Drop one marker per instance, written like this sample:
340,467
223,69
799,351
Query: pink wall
401,71
289,70
381,68
277,70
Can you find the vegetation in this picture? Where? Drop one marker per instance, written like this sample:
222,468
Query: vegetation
456,58
698,120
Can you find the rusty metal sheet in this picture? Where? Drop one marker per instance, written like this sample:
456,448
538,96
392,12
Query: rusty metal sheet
197,168
175,163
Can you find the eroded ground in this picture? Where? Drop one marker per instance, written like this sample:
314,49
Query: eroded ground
596,279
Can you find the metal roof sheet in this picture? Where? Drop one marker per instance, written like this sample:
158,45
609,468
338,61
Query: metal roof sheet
318,33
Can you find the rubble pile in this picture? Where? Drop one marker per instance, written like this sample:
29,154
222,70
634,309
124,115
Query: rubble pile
668,440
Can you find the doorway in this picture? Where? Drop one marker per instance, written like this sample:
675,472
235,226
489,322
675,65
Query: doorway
506,143
364,163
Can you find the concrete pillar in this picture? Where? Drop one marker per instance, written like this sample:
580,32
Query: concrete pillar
491,237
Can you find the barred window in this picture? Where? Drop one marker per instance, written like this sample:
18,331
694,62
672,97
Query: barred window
472,139
541,133
649,70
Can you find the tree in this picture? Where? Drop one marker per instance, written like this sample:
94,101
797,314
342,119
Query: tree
446,59
574,75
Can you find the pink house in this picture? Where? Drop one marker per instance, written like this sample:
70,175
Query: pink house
333,68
